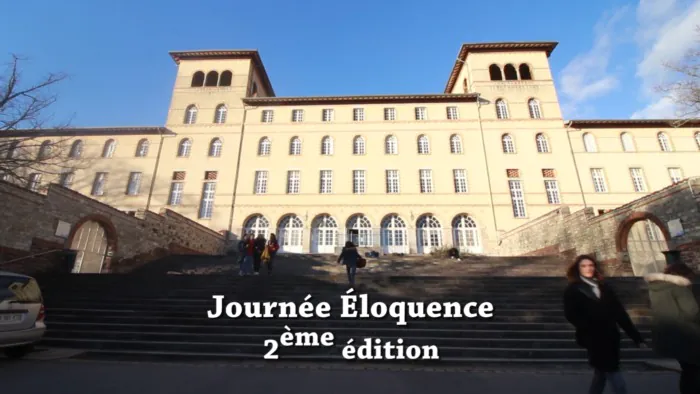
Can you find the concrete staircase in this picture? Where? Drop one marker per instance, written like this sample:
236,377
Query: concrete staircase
137,315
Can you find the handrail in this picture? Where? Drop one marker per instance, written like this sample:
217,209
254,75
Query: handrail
28,257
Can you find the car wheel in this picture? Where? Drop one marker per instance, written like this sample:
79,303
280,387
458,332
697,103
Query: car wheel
17,352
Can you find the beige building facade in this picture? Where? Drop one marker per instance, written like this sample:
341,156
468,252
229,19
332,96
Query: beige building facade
394,173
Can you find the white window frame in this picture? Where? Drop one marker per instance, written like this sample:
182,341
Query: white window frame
426,180
390,114
551,186
638,182
264,146
502,109
328,115
295,146
327,147
627,142
421,113
600,184
293,181
260,182
456,147
191,114
664,142
589,143
206,204
393,181
358,145
391,145
98,184
423,145
34,182
508,144
542,143
297,115
358,114
325,182
359,182
220,114
533,106
517,197
267,116
215,147
460,180
66,179
176,191
452,113
133,187
676,174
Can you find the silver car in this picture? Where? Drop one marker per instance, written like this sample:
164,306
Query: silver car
21,314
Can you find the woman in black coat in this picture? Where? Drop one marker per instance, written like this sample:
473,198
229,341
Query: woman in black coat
593,308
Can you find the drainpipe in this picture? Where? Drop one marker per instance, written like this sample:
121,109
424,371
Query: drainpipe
486,161
155,171
578,174
238,170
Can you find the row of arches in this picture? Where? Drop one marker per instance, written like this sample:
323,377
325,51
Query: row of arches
510,72
541,142
211,79
392,236
191,112
359,146
628,144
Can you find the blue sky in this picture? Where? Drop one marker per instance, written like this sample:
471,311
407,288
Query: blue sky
116,52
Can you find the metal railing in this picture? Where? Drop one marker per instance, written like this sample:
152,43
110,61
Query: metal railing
30,256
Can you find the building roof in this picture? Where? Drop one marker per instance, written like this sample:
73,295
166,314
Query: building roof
622,123
547,46
95,131
374,99
228,54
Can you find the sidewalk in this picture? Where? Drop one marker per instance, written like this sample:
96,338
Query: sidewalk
89,377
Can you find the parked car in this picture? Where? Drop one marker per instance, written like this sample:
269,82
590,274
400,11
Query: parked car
21,314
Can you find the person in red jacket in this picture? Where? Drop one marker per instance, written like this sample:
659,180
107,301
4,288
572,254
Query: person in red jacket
272,248
249,252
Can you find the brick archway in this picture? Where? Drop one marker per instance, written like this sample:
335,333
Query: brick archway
626,225
110,234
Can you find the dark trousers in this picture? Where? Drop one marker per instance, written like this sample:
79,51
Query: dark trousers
615,379
690,378
351,269
256,261
270,261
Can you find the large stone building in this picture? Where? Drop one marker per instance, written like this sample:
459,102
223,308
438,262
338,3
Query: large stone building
400,173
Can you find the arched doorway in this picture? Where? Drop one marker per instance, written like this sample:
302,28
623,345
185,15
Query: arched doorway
91,242
645,244
359,231
324,234
429,234
465,234
256,225
290,234
394,239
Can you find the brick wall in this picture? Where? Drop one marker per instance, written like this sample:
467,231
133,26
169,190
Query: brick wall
605,236
29,219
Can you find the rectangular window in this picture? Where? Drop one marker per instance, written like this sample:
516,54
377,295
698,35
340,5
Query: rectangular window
206,206
175,197
552,188
517,197
326,186
421,113
134,186
297,115
267,116
389,113
452,113
460,179
426,181
638,182
392,181
98,185
358,114
676,174
599,184
260,182
293,182
358,181
34,182
66,179
328,115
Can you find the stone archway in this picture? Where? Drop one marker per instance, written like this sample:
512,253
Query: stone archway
95,239
643,237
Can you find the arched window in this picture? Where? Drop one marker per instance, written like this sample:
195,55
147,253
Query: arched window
198,79
501,109
12,150
360,231
264,146
423,145
429,234
466,234
76,150
185,147
542,143
327,146
215,148
495,72
295,146
220,114
525,72
510,73
589,143
358,145
142,148
534,107
391,145
191,114
697,139
627,142
664,142
508,143
212,78
257,225
226,78
108,149
455,144
44,150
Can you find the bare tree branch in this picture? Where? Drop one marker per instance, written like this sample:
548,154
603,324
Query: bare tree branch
27,146
684,91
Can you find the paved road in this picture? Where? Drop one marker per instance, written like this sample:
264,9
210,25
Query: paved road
90,377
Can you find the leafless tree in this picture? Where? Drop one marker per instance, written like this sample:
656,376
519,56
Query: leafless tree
27,145
685,88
